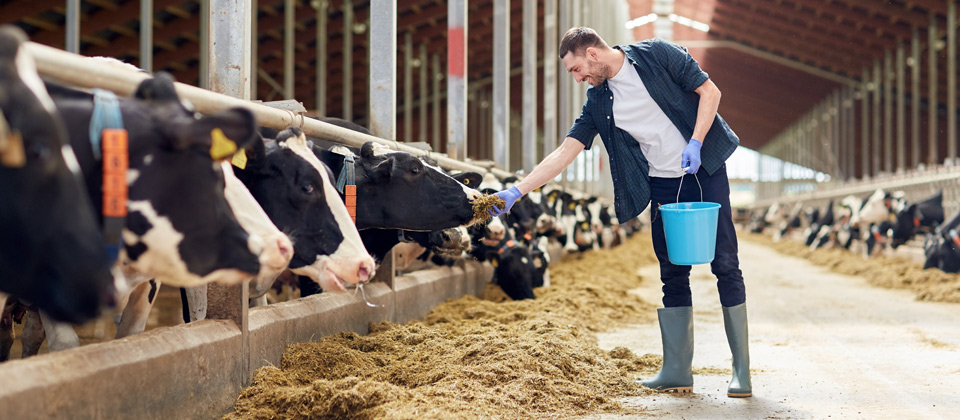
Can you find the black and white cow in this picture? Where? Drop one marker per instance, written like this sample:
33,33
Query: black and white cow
179,227
922,216
942,248
297,191
51,252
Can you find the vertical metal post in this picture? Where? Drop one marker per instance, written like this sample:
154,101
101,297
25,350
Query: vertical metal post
383,76
932,85
457,79
424,99
254,40
229,74
952,79
564,116
289,34
72,41
323,17
550,135
865,124
435,77
876,143
901,109
347,78
485,123
146,35
888,111
204,42
915,99
836,152
501,83
407,86
530,109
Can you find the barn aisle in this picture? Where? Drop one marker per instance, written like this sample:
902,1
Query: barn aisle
822,345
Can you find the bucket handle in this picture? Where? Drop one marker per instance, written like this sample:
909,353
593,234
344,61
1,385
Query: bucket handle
681,186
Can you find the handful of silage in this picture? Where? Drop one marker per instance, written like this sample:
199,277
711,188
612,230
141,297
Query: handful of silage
484,204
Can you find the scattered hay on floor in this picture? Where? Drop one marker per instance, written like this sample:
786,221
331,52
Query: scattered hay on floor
484,204
473,358
891,273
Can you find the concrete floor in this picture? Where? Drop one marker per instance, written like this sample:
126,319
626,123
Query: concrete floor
823,345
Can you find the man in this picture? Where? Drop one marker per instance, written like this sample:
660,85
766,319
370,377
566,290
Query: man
656,111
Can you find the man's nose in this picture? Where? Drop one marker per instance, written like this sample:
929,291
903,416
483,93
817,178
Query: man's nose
578,78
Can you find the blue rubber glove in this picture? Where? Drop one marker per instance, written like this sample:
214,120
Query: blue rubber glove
690,158
509,197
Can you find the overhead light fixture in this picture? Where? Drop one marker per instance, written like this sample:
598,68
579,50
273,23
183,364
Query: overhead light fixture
643,20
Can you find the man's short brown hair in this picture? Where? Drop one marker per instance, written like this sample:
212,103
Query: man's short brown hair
578,39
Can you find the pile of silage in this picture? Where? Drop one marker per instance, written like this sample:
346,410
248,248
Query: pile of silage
888,272
473,358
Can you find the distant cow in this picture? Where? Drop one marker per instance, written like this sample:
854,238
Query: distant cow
51,252
917,217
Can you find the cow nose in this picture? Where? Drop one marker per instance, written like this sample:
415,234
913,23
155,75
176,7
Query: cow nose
365,271
496,231
285,247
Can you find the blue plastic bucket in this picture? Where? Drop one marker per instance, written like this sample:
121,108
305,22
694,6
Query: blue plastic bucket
691,231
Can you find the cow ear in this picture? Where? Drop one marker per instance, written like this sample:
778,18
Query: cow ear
366,151
381,171
224,133
158,88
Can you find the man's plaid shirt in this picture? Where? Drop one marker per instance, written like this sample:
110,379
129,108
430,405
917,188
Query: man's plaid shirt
671,76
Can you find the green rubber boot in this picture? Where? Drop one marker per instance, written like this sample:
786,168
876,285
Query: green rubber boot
735,323
676,331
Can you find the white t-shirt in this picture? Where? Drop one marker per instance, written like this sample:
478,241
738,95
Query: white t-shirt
635,112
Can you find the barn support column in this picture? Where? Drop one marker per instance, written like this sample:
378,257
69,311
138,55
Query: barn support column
72,43
229,24
865,124
901,110
876,141
424,99
254,40
346,78
320,103
952,79
457,79
383,91
888,112
407,87
146,35
289,35
436,76
915,138
550,135
501,83
530,109
932,86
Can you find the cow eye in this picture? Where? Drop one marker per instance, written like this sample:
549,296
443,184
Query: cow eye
307,188
415,170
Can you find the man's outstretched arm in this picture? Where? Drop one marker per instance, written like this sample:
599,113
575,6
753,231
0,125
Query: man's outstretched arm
548,169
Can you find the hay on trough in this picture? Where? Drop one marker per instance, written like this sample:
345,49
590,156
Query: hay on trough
887,272
473,358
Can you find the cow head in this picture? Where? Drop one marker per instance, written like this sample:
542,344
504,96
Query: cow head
51,252
179,226
398,190
296,191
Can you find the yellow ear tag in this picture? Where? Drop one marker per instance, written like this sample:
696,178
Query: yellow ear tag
240,159
222,147
494,262
12,153
466,181
572,206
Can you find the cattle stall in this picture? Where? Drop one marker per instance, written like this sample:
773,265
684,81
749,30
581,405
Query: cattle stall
196,370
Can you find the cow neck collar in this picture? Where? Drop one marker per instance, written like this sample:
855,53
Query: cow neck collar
108,141
347,183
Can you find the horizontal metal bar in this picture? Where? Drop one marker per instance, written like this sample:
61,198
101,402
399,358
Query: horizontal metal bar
864,188
77,70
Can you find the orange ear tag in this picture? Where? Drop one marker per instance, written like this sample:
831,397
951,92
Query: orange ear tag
115,163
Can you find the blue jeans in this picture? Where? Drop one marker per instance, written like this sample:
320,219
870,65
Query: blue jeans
725,265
